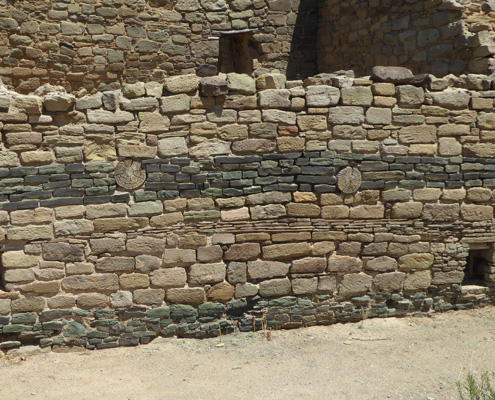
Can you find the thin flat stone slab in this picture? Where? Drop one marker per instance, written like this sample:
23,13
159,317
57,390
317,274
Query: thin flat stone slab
391,74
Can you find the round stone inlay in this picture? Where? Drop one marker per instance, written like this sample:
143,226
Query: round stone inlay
130,174
349,180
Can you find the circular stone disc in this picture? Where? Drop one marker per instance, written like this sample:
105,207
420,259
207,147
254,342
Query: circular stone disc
349,180
130,174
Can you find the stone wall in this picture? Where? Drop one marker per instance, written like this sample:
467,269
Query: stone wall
236,213
436,36
94,45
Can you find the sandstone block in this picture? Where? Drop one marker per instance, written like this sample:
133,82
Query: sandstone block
382,264
169,278
18,276
201,274
479,194
109,117
287,144
245,290
475,212
5,306
274,98
133,90
146,264
191,296
303,210
119,224
418,134
441,212
344,264
417,281
391,74
59,251
213,86
146,245
137,151
134,281
379,116
145,208
37,157
221,292
250,146
171,147
456,99
355,284
312,122
407,210
73,227
241,83
278,116
30,232
27,104
87,283
346,115
60,102
149,296
410,96
243,252
28,304
322,96
182,84
121,299
173,257
61,301
304,285
153,122
258,270
233,132
447,278
286,251
236,272
327,284
367,212
115,264
17,259
42,288
271,81
416,261
308,265
389,282
167,219
448,147
210,254
175,104
275,287
357,96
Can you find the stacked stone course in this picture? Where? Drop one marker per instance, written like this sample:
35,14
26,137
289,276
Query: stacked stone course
240,220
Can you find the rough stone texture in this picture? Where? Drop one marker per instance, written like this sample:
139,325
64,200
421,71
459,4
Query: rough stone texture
355,284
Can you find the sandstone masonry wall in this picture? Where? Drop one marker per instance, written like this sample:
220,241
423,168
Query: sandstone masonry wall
436,36
100,45
241,219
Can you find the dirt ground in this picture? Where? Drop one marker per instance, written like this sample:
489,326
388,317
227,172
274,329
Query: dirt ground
407,358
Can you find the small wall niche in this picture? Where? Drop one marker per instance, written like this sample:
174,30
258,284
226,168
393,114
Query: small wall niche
479,264
236,52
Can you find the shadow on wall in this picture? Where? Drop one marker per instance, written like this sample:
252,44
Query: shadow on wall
302,58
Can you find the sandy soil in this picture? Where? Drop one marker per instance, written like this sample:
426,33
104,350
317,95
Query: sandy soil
407,358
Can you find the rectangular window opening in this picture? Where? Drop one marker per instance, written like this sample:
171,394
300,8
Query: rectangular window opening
236,53
477,267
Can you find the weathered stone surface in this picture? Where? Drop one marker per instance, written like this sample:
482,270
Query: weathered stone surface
190,296
417,281
119,224
357,96
241,83
201,274
397,75
245,290
407,210
108,117
304,286
346,115
87,283
410,96
146,245
274,98
28,304
286,251
149,296
59,251
389,282
308,265
259,270
367,212
175,104
115,264
355,284
221,292
243,252
171,147
322,96
441,212
134,281
54,102
456,99
213,86
121,299
275,287
447,278
182,84
169,278
30,232
18,259
174,257
303,210
344,264
381,264
73,227
418,134
416,261
475,212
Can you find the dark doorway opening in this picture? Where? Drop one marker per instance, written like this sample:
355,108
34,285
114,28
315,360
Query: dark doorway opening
236,53
477,266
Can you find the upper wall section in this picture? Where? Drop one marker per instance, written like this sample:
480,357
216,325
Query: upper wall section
100,45
434,36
